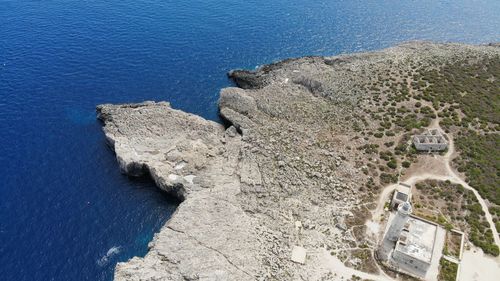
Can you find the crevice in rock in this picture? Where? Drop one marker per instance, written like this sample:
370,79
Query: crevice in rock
313,86
176,230
211,248
227,123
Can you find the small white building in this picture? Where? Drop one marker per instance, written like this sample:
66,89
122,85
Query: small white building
401,194
431,140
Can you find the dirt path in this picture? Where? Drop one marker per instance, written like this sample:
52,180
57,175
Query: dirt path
431,175
442,172
346,273
476,266
453,177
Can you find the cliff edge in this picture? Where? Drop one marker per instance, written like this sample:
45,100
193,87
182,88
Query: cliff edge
283,193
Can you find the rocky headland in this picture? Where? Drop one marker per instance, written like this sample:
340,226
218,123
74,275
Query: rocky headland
298,168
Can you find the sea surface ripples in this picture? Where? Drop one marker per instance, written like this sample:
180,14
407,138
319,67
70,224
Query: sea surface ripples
66,212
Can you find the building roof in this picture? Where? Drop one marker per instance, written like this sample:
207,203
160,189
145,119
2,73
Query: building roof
417,239
430,137
401,196
403,188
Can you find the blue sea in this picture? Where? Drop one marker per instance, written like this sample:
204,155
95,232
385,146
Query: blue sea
66,212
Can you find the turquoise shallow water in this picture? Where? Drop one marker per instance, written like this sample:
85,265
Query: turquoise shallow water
66,213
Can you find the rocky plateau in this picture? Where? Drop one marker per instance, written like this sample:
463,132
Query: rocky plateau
282,173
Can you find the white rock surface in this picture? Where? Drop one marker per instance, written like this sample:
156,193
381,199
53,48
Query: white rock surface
299,254
243,189
210,236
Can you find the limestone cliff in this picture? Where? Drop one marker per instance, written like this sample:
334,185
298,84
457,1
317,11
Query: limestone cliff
285,173
196,161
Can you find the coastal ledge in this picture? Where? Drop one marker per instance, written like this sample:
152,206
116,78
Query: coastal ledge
196,161
283,176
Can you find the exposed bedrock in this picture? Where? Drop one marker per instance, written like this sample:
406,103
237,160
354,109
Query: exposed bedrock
174,147
282,175
196,161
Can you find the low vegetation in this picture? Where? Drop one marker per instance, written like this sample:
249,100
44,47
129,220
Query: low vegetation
466,95
470,83
462,93
452,244
447,270
452,206
480,161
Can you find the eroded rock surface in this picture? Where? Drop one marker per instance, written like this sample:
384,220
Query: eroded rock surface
196,161
284,175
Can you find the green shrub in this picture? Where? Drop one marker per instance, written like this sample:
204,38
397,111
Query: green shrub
392,164
479,160
447,270
388,178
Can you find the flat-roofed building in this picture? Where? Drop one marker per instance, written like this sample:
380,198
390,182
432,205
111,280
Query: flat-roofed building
412,245
401,194
431,140
413,250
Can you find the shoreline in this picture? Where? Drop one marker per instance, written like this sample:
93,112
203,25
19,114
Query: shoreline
252,191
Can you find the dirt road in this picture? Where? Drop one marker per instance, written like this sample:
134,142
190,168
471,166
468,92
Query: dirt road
450,175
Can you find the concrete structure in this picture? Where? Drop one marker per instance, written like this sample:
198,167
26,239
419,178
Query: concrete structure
431,140
413,251
399,222
401,194
412,245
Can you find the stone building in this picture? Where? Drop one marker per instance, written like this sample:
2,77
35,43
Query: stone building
431,140
412,245
401,194
399,222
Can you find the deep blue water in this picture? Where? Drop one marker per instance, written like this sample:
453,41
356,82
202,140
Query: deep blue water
63,202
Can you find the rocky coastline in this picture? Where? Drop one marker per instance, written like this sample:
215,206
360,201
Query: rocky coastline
284,174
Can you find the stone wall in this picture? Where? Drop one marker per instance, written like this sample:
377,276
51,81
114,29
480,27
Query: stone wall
409,263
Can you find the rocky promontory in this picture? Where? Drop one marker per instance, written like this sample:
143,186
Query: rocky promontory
290,173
